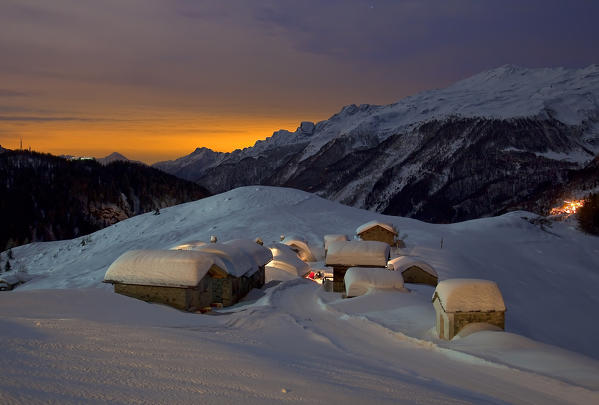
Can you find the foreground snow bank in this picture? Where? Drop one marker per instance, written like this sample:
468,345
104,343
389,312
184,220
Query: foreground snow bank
90,345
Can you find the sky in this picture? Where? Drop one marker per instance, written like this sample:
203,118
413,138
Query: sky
155,79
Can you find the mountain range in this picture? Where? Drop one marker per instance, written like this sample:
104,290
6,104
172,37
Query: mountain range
500,140
47,197
114,157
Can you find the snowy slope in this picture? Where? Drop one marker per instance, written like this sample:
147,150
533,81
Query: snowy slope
548,279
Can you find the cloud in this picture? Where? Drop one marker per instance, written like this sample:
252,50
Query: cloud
13,93
300,59
53,119
398,31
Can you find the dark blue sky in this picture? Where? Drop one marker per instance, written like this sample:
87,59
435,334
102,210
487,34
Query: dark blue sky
232,71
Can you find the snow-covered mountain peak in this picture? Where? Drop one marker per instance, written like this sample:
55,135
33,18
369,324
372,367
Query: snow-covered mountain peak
506,92
568,95
420,152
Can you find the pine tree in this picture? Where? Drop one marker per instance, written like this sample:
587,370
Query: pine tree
10,254
7,267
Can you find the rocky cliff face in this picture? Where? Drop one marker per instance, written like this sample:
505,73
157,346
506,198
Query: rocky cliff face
480,147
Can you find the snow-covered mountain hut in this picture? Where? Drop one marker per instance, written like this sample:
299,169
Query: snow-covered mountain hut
360,280
342,255
378,231
244,262
301,247
333,238
460,302
414,270
215,273
285,260
179,278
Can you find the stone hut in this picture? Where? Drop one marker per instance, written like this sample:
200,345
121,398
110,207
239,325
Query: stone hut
341,255
285,259
360,280
460,302
244,262
414,270
216,273
300,246
179,278
378,231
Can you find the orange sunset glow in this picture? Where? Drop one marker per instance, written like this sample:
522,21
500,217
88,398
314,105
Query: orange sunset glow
155,81
149,140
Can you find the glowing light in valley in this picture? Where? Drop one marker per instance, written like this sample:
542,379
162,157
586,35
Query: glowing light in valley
568,208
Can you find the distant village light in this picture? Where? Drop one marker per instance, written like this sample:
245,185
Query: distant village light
568,208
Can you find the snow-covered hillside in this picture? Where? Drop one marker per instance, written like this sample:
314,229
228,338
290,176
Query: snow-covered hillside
69,338
480,147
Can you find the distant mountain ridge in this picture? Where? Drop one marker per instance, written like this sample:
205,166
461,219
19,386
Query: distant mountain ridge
480,147
47,197
114,157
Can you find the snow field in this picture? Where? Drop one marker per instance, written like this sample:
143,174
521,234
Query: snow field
68,338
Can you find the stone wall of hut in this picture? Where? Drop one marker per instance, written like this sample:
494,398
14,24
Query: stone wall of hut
462,319
187,299
379,234
339,278
449,324
227,291
416,275
444,321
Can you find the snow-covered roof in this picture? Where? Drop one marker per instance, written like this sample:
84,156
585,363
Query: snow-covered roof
174,268
240,256
372,224
360,280
468,295
284,258
305,253
261,255
193,245
403,263
358,253
333,238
